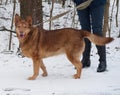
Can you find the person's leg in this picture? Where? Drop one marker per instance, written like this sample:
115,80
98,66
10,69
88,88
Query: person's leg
97,14
84,18
102,53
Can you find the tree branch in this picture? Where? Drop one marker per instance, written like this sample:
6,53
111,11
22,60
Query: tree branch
5,29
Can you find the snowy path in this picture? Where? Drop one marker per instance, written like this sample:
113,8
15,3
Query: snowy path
14,72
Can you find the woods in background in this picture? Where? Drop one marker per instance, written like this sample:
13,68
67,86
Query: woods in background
34,8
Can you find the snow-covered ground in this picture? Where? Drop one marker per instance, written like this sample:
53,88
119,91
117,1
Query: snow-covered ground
15,70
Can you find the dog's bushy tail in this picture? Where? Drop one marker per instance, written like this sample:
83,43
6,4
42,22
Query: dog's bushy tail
98,40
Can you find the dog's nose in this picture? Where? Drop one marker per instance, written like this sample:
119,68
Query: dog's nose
21,31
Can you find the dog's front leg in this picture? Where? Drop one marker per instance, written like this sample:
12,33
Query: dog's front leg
42,66
36,65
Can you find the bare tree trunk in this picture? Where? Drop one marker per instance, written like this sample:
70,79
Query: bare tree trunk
25,8
10,40
73,20
119,34
107,27
6,2
63,3
106,18
0,2
117,4
32,8
37,13
111,18
48,1
51,11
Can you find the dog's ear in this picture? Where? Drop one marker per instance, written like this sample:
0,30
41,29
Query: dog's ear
29,20
17,19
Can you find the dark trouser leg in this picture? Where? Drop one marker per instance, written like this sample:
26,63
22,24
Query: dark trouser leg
97,20
86,54
84,17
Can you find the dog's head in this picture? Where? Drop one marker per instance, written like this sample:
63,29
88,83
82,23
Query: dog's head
22,26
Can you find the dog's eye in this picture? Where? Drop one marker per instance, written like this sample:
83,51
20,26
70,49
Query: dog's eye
25,26
18,26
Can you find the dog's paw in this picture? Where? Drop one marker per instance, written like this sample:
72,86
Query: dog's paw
32,78
76,76
44,74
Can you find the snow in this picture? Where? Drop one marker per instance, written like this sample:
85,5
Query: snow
15,70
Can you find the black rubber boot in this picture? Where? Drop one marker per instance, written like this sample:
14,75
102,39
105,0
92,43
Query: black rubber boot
86,63
86,55
102,54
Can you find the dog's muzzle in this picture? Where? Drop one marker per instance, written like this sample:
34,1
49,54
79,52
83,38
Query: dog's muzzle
22,34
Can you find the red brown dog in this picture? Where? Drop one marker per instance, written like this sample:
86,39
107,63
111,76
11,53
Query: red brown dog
38,44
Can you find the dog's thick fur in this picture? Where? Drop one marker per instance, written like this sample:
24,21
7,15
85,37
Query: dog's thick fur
38,44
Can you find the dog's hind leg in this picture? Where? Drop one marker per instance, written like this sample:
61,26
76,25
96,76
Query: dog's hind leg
42,66
76,62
